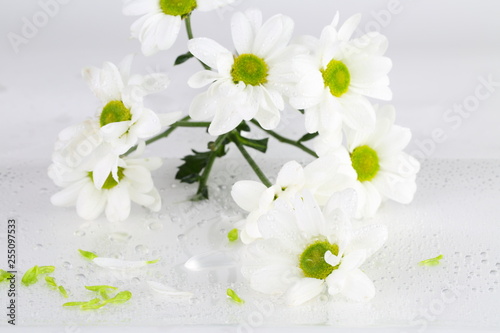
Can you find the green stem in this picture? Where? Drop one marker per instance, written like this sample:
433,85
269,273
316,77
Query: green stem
189,31
191,124
282,139
251,161
202,192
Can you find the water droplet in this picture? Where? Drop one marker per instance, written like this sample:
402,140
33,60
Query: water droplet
483,254
491,290
81,277
494,272
136,280
38,247
79,233
119,237
141,249
155,226
67,265
484,261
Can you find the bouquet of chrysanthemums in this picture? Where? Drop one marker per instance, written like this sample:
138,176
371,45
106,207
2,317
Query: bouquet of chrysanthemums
299,236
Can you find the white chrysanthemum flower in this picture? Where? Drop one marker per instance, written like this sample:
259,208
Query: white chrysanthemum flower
246,85
123,119
383,170
161,20
133,183
257,199
304,251
338,75
322,177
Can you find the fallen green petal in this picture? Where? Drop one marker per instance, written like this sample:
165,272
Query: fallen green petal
431,262
30,277
233,296
51,281
74,303
121,297
232,236
4,275
46,269
102,290
152,261
63,291
88,255
93,304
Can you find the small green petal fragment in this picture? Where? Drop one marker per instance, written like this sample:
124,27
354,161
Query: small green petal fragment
46,269
232,235
74,303
150,262
93,304
51,281
432,261
121,297
88,255
233,296
31,276
63,291
102,290
4,275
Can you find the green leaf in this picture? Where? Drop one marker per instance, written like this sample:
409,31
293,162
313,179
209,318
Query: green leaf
260,144
243,127
30,277
190,171
63,291
74,303
308,136
183,58
233,296
232,235
150,262
46,269
88,255
431,262
51,281
121,297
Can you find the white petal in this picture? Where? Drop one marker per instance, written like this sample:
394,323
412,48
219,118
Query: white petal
203,107
167,119
148,37
90,202
336,281
202,78
206,50
273,36
242,33
68,196
140,177
369,200
118,207
292,173
331,259
226,119
207,5
357,113
268,119
113,263
209,260
349,26
167,31
104,167
358,287
304,290
247,193
168,290
395,187
156,205
353,260
369,239
113,131
147,125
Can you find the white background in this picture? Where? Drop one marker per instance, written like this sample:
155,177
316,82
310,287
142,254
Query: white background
439,50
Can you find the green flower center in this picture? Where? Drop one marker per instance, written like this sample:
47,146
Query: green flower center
249,69
110,181
177,7
365,161
312,260
113,112
336,77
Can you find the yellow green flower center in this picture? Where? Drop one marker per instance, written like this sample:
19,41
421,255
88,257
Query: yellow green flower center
110,181
250,69
365,161
336,77
113,112
177,7
312,260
